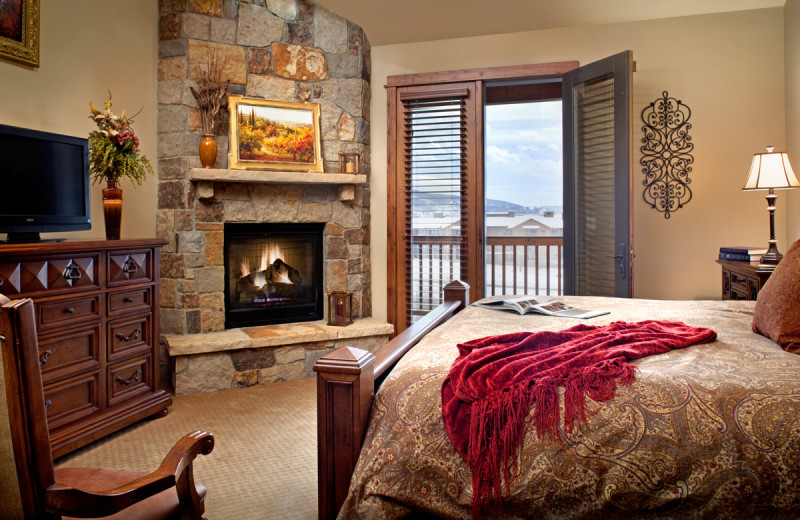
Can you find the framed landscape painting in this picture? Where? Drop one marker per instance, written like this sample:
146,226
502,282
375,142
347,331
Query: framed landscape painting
274,135
19,31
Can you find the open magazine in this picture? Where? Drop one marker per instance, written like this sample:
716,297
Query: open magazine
527,304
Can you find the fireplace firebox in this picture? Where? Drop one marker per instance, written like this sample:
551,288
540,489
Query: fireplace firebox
273,273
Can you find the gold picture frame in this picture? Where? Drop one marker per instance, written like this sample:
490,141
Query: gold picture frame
19,31
274,135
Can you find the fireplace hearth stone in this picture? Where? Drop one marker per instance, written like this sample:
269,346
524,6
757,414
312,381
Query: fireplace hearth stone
237,358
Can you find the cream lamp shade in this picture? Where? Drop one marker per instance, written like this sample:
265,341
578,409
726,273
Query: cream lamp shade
771,171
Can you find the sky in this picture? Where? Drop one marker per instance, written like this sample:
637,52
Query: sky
523,156
286,115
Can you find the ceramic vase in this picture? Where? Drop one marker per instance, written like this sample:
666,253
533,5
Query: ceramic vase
208,151
112,209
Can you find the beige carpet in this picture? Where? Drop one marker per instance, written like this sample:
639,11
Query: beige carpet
264,463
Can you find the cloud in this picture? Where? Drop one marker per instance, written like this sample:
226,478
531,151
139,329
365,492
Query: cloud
500,155
524,153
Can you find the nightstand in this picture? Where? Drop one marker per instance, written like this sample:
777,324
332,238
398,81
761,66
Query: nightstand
742,280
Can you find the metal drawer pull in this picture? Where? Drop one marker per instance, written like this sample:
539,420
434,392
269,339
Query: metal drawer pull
72,272
69,310
129,267
134,379
127,299
47,404
46,355
132,337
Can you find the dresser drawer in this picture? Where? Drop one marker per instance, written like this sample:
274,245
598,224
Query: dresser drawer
127,336
129,267
67,353
127,302
129,379
740,282
72,399
52,275
56,314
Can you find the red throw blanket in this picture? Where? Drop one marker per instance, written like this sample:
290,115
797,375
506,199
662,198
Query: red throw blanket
495,380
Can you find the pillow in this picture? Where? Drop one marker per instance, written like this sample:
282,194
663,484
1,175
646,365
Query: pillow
777,313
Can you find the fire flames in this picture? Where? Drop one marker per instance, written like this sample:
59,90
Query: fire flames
272,252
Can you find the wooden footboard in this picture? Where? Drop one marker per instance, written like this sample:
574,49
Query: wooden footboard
346,381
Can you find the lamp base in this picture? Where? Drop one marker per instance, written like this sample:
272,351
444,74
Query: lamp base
772,257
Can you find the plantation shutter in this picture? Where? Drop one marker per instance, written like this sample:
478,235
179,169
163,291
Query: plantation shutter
597,227
436,169
435,157
595,139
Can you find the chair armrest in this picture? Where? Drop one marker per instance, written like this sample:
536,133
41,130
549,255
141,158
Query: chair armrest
175,470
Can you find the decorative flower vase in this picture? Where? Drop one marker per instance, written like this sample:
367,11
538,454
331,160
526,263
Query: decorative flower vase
112,209
208,151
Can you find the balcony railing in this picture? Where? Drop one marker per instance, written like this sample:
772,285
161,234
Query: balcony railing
524,265
513,265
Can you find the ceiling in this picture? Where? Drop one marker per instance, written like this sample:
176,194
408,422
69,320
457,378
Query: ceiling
388,22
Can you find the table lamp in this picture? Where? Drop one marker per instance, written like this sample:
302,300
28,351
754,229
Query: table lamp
771,171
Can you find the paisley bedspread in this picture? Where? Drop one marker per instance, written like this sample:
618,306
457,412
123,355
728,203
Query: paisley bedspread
710,431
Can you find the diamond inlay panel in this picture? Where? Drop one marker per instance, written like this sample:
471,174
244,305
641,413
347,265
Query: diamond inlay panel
129,268
10,279
67,273
33,277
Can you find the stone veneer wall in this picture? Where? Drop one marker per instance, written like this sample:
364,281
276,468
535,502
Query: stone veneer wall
282,50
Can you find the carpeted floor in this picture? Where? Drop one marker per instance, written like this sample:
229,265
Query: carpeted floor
264,463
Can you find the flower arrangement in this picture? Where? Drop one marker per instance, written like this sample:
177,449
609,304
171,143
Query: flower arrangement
114,148
212,92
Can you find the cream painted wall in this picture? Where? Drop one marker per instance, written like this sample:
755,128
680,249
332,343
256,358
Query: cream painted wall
791,202
88,47
728,68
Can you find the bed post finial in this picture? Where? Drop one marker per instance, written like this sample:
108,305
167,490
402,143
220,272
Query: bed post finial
457,291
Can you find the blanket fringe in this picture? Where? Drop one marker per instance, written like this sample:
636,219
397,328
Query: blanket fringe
497,423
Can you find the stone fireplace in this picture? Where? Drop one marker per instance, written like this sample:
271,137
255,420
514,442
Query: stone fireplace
279,50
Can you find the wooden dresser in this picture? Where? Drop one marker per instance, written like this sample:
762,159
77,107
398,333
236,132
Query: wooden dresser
96,308
742,280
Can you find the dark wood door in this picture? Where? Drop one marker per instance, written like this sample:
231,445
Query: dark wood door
597,178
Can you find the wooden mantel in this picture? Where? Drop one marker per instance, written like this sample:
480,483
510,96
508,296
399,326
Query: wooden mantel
206,177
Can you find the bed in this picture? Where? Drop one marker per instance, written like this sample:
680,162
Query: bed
709,431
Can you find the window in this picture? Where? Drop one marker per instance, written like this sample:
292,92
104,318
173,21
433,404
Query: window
436,186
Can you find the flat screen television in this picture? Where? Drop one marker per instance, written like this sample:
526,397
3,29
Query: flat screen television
44,183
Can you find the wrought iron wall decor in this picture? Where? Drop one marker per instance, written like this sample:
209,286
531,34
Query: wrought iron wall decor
666,154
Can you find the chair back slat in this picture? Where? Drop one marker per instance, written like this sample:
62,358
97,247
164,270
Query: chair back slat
11,504
25,401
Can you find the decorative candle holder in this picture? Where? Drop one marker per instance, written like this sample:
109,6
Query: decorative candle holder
340,309
349,162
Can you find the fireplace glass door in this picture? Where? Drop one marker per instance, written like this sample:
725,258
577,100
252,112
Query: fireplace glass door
273,273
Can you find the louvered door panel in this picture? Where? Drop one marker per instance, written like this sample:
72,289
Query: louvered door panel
595,194
434,163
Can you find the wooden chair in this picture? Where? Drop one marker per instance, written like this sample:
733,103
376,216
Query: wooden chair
41,491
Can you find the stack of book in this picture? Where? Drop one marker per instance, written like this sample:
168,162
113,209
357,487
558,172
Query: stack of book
742,254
